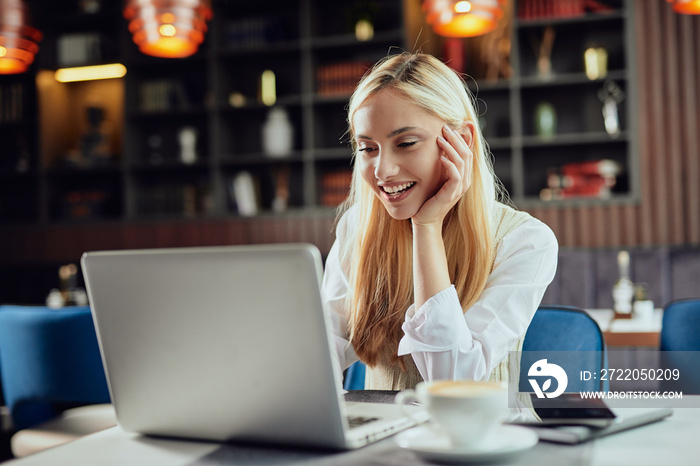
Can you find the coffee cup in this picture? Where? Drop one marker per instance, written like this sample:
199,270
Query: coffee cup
468,412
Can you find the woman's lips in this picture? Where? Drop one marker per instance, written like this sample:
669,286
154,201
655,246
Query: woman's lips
397,193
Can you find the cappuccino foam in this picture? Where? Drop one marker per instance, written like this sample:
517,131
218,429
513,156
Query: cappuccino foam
464,388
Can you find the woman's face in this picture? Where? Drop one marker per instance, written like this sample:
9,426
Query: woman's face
398,153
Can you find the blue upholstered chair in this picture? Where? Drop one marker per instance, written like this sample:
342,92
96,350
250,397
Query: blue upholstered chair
680,340
569,337
50,362
680,328
554,331
355,376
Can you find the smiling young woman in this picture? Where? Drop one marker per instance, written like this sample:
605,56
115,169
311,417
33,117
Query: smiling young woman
430,276
398,157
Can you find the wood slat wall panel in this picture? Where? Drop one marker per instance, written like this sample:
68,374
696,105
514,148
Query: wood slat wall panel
690,71
654,200
644,221
633,236
61,243
672,134
668,100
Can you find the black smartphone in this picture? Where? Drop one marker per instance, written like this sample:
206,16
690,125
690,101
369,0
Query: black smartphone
573,410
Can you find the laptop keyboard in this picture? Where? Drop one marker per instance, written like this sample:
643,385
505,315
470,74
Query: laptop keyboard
357,421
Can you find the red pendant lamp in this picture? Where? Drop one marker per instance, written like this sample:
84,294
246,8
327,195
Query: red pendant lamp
18,41
462,18
686,7
168,28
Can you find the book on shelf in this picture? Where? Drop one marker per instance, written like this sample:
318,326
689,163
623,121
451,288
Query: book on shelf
604,167
593,179
11,102
254,32
340,78
335,187
165,94
84,205
79,49
552,9
172,199
16,155
591,190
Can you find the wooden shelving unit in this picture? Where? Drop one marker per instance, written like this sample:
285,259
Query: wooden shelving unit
19,175
215,93
293,39
146,196
523,158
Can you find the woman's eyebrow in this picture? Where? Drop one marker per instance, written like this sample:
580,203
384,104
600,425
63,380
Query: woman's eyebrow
400,130
390,135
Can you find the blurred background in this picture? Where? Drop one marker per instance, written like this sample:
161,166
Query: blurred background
590,109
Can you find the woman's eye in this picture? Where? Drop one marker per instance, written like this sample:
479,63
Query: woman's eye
405,145
366,150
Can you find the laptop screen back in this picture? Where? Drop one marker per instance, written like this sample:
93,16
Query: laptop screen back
219,343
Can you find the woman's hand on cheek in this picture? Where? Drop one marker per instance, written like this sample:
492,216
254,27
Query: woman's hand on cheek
457,159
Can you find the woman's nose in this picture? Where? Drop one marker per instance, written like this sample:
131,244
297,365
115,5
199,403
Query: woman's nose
387,166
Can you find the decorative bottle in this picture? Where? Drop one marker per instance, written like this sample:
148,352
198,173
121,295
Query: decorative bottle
623,289
277,134
545,120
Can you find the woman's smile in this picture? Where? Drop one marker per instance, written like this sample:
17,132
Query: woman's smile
396,192
399,157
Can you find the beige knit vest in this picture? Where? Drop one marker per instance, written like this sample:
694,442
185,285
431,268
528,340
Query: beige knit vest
386,376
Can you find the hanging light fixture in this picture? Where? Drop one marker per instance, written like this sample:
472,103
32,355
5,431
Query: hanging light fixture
90,73
461,18
168,28
686,7
18,41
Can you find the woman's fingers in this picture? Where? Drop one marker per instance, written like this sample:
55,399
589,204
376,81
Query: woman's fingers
456,139
452,187
450,143
458,153
457,160
453,158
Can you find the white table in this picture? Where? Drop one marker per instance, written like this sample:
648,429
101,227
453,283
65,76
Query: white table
628,332
671,441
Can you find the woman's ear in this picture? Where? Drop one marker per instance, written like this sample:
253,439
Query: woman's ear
467,130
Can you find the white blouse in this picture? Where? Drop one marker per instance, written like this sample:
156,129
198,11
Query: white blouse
444,341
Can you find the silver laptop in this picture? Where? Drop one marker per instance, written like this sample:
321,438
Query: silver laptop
225,344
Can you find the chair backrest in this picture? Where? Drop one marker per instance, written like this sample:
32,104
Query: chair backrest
49,360
680,327
680,340
571,334
553,328
355,376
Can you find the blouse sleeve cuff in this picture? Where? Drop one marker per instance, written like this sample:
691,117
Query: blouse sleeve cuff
438,325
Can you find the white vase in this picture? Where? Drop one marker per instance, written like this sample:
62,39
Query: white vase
187,137
277,134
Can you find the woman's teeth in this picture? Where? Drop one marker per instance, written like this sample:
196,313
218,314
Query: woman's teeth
397,189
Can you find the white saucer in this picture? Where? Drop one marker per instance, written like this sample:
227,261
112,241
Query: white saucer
434,446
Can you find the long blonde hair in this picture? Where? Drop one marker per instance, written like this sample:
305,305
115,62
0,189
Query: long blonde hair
379,248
